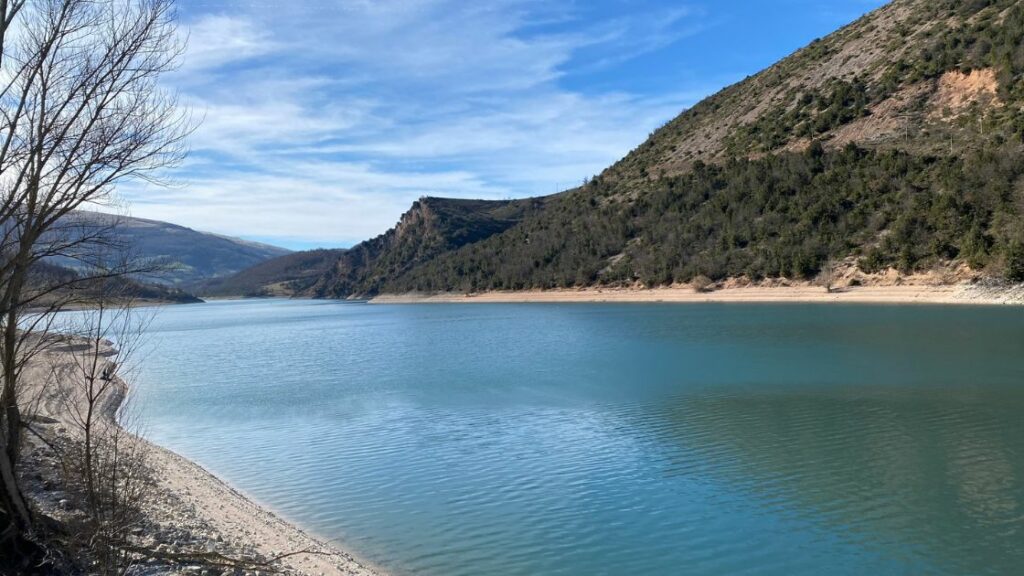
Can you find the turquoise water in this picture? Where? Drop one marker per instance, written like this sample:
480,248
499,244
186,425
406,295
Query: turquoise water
611,439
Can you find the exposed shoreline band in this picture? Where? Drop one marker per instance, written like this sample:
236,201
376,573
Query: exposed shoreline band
905,294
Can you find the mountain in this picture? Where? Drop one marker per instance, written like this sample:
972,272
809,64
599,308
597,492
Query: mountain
431,228
187,256
892,146
286,275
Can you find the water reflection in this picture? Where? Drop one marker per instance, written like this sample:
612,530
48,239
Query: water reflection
938,477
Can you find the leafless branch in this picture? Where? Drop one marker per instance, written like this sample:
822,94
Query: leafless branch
81,110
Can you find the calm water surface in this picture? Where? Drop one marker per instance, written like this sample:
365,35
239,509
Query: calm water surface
612,439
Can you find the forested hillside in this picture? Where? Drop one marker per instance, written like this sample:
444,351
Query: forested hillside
70,288
432,227
778,216
286,275
894,143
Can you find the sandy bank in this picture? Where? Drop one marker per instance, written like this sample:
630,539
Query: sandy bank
190,510
906,294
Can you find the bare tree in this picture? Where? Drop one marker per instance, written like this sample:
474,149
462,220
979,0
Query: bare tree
80,111
827,276
103,462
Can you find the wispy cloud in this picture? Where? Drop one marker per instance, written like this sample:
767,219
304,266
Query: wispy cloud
324,121
215,40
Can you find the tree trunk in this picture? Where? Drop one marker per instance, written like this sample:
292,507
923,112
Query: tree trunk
15,518
11,416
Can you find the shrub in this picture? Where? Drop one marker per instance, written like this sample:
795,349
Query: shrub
702,283
1015,262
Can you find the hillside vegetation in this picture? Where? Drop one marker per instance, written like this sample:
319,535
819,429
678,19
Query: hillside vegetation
893,143
286,275
432,227
67,287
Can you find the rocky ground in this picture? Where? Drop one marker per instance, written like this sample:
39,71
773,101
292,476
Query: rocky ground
992,292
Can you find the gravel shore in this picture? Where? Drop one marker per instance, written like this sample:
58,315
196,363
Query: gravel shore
189,511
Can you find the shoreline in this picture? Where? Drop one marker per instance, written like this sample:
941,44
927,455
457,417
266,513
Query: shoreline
958,294
334,560
191,508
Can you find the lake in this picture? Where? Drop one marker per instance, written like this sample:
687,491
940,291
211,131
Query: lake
584,439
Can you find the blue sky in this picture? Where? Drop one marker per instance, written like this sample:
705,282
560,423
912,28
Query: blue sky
322,121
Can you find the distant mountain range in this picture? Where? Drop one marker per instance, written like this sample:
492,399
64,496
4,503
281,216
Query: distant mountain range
187,256
893,144
177,259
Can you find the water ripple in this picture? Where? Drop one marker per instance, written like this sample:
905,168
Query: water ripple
580,440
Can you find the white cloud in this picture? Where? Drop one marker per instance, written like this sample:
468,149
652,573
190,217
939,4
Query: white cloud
216,40
329,203
325,121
